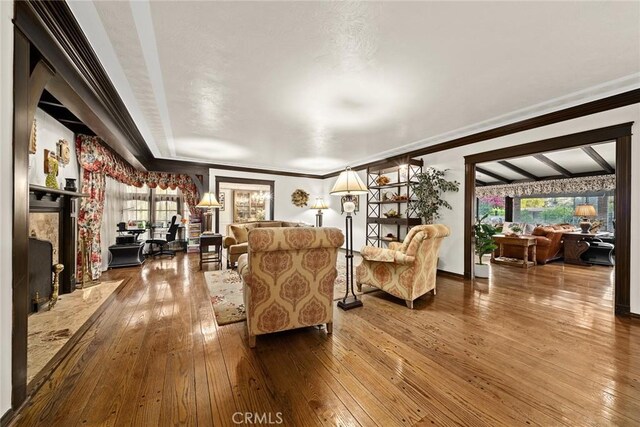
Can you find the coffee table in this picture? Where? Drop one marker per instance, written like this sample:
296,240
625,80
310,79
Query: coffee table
523,242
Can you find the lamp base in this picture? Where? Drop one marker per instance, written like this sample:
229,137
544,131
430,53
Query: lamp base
585,226
349,304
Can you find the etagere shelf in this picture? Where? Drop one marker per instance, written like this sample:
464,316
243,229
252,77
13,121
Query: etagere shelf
395,195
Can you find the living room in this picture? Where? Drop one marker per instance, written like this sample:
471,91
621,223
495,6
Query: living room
511,349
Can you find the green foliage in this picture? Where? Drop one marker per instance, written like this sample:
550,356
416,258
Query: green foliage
428,192
484,233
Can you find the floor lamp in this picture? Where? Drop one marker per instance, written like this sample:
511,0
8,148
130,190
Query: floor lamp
349,184
209,202
320,205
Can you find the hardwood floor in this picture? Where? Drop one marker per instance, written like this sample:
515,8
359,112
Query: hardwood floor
530,346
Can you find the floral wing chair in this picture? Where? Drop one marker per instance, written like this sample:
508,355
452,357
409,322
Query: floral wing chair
406,270
288,275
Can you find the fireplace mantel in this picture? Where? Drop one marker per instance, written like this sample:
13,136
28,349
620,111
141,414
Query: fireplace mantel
40,191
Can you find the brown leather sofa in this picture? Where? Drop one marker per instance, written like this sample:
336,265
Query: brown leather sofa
235,241
548,243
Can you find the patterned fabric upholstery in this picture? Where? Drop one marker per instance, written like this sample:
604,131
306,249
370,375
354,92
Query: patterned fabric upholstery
406,271
288,276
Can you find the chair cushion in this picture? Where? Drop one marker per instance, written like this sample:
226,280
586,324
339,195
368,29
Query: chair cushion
269,224
240,248
541,231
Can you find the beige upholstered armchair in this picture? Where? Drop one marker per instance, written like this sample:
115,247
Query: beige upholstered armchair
288,276
406,270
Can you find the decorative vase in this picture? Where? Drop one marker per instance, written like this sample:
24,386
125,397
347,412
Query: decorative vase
70,184
481,271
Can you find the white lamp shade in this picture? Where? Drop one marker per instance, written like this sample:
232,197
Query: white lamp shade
319,204
348,183
209,201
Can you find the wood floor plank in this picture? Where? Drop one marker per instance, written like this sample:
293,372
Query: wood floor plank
538,346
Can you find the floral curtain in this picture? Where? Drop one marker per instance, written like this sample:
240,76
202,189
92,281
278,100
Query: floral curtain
587,184
98,161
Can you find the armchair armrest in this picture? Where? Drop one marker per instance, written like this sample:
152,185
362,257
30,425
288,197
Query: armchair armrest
371,253
243,268
229,241
395,246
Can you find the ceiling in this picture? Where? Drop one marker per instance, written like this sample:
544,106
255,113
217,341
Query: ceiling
312,87
597,159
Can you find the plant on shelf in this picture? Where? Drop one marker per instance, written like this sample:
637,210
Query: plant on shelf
484,244
428,191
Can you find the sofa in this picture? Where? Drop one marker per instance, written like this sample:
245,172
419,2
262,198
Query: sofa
235,242
288,277
406,270
548,243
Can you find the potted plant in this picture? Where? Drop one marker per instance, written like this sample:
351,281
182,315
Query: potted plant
428,191
484,244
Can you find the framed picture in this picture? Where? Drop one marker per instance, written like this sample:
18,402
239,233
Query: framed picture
221,200
355,199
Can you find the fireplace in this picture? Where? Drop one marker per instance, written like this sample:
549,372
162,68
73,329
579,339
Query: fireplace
52,218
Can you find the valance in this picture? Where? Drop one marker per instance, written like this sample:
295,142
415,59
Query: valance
587,184
95,156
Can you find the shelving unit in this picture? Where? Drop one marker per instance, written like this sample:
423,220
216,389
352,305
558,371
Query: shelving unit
397,195
193,242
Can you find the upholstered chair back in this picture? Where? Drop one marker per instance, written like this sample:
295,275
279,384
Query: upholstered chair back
289,275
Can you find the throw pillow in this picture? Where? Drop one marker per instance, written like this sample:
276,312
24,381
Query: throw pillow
528,228
241,232
539,231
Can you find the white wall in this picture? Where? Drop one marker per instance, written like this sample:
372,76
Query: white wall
49,131
451,254
283,187
6,195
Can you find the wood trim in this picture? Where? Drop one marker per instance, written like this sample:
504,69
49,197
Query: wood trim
39,78
598,159
7,417
622,134
469,213
623,225
508,209
553,165
519,170
493,175
553,144
20,235
234,180
450,274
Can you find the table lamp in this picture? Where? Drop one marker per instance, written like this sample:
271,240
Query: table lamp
209,202
320,205
349,184
585,211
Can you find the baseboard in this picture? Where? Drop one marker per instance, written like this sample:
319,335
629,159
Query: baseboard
635,315
6,418
450,274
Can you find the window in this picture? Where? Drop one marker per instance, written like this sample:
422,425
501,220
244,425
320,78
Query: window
136,205
493,207
166,204
558,210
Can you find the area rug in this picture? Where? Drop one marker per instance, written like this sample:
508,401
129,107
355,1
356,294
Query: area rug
50,330
225,291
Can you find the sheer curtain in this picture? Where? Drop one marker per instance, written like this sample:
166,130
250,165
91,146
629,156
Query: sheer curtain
114,198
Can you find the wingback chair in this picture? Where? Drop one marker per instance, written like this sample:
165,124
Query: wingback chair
288,275
406,270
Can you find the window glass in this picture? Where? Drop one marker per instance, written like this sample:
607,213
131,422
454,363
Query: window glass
559,210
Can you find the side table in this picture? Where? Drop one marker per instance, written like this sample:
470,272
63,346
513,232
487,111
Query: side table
524,243
129,255
208,241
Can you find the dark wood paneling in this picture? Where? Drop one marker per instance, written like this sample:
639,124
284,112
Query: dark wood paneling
20,235
623,225
553,144
470,209
230,179
598,159
492,175
553,165
518,170
508,209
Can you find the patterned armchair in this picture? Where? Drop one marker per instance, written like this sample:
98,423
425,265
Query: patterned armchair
288,275
406,270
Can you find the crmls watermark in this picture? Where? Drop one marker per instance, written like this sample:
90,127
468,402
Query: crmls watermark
257,418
